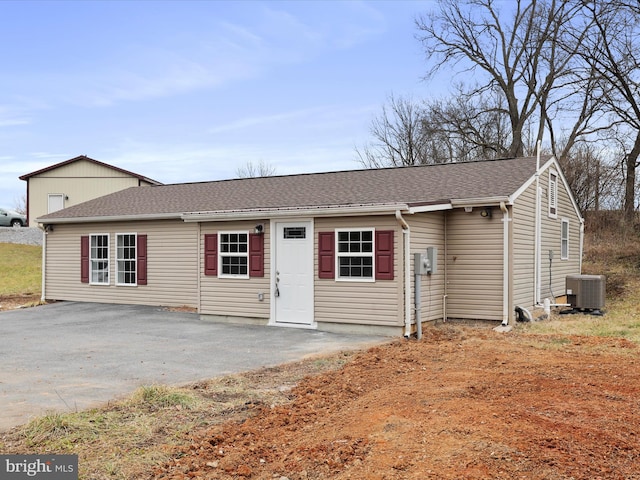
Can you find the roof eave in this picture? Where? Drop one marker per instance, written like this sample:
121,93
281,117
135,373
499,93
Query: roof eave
109,218
480,201
318,211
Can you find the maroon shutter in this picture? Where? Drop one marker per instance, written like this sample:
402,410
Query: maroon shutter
211,254
384,254
84,259
326,254
142,259
256,255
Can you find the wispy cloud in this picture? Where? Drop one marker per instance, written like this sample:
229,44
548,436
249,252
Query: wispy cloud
267,38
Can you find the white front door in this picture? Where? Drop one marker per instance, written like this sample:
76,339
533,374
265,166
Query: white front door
293,273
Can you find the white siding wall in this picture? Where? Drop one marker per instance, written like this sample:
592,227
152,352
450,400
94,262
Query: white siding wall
237,297
474,265
171,271
79,181
551,240
377,303
523,236
427,230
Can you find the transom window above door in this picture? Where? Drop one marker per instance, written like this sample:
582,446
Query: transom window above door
295,232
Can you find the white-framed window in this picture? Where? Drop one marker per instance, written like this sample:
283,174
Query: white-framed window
355,254
233,248
99,259
564,240
126,259
553,194
55,202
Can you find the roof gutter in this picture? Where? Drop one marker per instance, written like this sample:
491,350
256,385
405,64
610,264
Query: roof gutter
320,211
109,218
480,201
249,214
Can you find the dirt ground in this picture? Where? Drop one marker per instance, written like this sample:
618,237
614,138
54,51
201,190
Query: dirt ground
10,302
463,403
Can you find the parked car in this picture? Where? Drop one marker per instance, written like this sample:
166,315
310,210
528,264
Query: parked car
11,218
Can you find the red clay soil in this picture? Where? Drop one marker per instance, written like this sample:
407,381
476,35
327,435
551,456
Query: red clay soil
459,404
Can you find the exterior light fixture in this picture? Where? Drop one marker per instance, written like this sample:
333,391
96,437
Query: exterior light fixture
259,229
486,212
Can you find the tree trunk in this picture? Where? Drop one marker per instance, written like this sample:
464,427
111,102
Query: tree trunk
630,183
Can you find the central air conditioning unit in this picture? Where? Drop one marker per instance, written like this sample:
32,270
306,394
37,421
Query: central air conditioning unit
586,291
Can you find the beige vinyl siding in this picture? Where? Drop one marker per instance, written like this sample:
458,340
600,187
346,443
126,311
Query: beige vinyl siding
474,265
171,264
370,303
79,181
551,240
523,240
236,296
427,230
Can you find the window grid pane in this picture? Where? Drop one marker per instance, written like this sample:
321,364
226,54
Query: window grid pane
126,259
234,257
99,259
355,254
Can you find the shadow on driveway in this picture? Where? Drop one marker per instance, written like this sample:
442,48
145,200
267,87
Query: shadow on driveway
70,356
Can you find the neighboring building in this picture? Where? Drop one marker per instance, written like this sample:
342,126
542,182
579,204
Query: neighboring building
75,181
333,251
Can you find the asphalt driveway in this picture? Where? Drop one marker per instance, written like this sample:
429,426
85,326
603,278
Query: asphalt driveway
70,356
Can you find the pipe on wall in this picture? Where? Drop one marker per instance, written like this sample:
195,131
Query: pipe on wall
505,263
406,234
44,263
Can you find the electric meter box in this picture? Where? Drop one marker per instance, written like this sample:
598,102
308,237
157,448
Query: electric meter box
426,263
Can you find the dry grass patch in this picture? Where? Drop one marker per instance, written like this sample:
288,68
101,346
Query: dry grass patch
125,439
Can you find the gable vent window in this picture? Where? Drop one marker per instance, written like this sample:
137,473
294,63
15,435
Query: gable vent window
553,194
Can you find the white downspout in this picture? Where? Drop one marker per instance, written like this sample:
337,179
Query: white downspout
505,263
581,244
406,234
537,268
43,296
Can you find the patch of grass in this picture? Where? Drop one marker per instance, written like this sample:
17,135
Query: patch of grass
126,439
20,269
161,396
618,258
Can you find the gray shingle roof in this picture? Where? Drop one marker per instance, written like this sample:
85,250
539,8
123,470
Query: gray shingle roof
418,185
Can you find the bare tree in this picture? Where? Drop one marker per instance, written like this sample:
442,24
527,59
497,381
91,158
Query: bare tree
20,204
398,137
522,54
612,51
251,170
466,127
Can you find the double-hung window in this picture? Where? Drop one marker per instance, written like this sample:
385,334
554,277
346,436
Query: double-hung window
126,259
99,259
234,254
355,254
564,240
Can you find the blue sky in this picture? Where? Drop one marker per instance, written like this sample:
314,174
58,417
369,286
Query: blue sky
184,91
